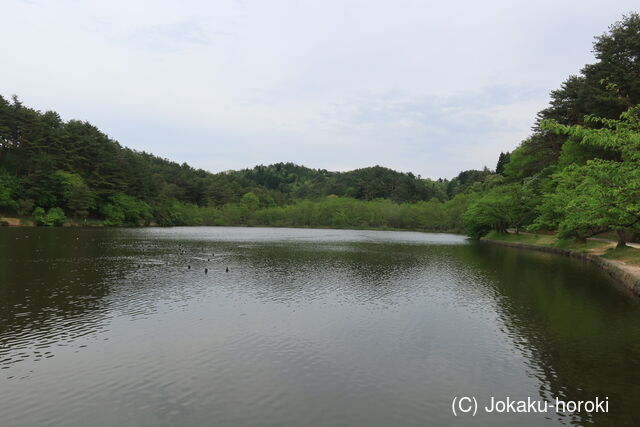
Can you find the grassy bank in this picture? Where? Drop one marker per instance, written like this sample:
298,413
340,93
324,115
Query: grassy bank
629,256
590,246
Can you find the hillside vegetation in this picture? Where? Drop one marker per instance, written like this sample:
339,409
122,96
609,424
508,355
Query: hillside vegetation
577,174
56,171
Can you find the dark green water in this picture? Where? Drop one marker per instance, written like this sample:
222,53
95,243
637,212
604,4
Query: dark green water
308,328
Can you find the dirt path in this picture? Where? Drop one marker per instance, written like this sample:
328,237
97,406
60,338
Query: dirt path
13,222
597,239
600,239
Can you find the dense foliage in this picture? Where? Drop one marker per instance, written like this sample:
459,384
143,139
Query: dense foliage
578,173
56,171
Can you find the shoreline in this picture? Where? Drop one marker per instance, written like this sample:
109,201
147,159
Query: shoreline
628,276
20,222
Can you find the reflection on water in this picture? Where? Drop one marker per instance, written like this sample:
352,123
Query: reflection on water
308,327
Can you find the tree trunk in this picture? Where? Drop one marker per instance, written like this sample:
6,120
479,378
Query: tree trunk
622,239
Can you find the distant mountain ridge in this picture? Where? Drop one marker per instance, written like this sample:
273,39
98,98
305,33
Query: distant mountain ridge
48,163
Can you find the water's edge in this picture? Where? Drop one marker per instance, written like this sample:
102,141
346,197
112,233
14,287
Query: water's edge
13,222
616,269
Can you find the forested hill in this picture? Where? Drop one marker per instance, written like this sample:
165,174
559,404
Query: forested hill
79,172
299,182
579,171
577,174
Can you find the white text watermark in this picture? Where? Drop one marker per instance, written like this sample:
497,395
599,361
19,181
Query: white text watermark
470,406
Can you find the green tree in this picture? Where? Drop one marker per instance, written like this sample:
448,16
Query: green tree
511,205
77,196
54,217
24,206
503,159
126,210
601,195
250,201
597,197
9,186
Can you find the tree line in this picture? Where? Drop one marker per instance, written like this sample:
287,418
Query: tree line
55,171
577,173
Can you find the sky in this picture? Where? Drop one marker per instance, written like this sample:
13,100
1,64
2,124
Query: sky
427,87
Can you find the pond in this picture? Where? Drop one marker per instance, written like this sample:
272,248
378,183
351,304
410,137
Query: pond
292,327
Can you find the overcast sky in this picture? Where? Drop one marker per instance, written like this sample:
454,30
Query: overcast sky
428,87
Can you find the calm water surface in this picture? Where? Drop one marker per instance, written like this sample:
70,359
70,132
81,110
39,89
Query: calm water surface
110,327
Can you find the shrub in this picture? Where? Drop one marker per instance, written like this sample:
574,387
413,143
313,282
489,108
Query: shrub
55,217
